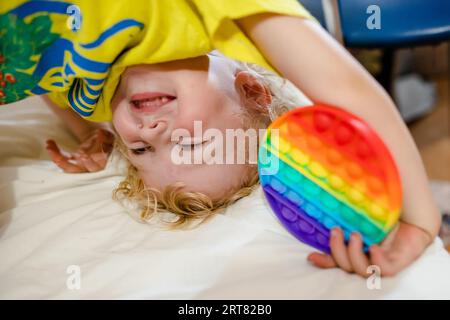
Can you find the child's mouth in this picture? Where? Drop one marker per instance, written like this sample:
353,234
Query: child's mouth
149,101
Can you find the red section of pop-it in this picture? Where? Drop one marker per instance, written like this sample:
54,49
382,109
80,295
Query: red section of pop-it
337,163
351,137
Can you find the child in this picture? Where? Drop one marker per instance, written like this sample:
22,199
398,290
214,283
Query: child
277,30
214,91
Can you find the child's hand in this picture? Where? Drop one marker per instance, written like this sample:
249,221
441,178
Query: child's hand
90,156
401,247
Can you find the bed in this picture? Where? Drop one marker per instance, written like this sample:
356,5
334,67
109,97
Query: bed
55,226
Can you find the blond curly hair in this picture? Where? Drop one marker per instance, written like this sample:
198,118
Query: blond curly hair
186,206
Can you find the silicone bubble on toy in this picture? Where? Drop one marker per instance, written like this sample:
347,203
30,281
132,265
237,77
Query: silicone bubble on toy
321,167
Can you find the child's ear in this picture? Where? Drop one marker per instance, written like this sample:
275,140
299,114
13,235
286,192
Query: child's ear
253,94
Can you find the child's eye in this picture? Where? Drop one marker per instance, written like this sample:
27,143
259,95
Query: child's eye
192,146
139,151
188,146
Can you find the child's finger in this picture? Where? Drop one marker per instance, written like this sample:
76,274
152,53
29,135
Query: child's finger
89,163
101,158
60,160
54,151
322,260
66,165
379,258
339,250
71,168
356,254
88,145
52,146
109,137
101,136
104,135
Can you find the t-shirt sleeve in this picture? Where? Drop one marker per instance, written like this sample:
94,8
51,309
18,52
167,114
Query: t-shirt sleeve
219,18
59,99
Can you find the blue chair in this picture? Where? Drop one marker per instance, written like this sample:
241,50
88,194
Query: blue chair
316,9
403,22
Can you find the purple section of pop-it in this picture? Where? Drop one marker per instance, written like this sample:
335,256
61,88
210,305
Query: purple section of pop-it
298,222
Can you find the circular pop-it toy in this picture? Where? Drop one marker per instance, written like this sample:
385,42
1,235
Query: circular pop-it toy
322,167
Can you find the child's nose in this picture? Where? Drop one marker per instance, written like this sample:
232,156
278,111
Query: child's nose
152,130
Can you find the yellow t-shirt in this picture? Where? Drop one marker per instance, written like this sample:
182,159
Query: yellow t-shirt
76,51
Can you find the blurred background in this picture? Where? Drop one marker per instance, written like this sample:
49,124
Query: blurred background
405,45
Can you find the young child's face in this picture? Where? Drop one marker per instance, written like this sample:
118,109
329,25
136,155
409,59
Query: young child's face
154,100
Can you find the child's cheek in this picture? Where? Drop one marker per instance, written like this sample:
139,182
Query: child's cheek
123,123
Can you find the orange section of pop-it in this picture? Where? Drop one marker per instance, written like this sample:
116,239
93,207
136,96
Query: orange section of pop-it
333,136
347,169
342,167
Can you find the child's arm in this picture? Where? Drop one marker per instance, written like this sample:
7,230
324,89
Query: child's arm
95,143
305,54
79,127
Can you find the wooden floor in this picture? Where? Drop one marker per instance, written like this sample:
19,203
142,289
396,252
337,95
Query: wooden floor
432,134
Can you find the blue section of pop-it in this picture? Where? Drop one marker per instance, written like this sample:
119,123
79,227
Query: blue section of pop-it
317,203
299,223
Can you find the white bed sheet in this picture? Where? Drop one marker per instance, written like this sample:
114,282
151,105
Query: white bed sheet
50,220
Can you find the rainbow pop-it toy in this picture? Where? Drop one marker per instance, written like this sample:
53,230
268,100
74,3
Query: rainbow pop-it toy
325,167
